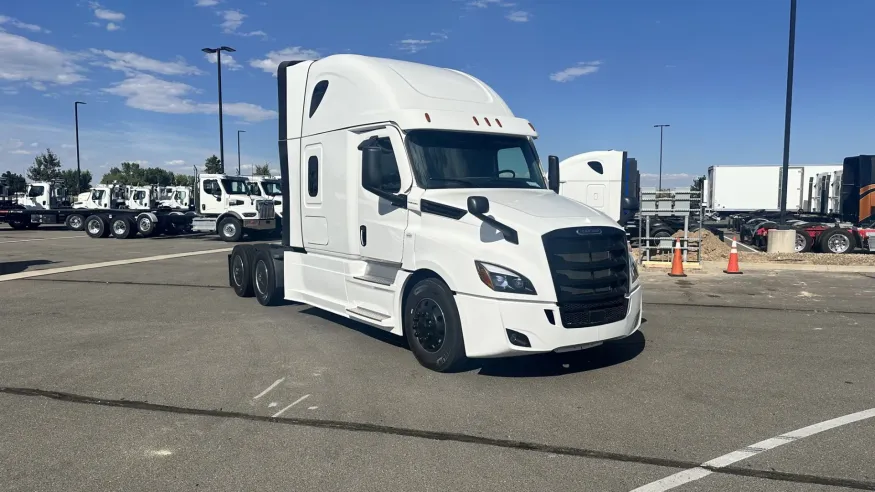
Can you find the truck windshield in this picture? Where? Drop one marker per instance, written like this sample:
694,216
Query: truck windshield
272,188
446,159
235,186
254,189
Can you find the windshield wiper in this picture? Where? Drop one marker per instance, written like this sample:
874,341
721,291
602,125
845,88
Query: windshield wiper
453,180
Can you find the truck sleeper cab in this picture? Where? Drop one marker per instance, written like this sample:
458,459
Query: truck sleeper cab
414,201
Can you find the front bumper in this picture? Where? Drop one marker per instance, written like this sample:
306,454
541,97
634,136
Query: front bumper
485,321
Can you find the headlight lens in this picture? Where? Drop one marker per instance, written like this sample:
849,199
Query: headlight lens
501,279
633,265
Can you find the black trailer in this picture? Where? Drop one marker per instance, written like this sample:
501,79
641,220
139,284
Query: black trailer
120,223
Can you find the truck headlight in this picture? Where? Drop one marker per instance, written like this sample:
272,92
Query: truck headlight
501,279
633,266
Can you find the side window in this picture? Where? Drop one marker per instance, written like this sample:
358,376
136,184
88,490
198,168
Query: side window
318,94
596,166
313,176
512,163
211,186
391,176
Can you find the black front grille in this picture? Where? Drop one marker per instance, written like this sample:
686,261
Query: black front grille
590,273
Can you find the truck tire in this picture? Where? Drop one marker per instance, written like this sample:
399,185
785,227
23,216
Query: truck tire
75,222
803,242
32,225
122,228
240,270
837,241
18,226
432,326
146,225
264,279
230,229
96,226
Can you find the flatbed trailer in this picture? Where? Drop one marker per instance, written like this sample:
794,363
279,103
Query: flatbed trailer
120,223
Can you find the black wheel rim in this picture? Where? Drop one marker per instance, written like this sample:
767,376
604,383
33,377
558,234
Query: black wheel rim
429,325
237,271
261,277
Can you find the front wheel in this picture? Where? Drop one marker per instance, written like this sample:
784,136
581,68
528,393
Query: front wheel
230,229
433,327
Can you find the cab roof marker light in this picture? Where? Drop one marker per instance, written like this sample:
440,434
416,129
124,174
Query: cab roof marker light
532,127
487,121
499,122
475,121
427,118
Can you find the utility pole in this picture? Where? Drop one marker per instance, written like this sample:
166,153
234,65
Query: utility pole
238,150
661,127
78,166
218,51
785,170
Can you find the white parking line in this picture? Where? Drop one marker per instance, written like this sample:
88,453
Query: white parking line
41,239
266,391
693,474
299,400
89,266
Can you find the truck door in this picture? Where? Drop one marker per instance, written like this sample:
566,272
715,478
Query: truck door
211,197
381,225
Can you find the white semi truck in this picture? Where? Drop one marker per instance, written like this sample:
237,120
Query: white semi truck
606,180
414,201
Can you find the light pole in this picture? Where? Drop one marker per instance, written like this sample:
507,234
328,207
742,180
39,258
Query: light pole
218,51
661,127
786,164
238,150
78,166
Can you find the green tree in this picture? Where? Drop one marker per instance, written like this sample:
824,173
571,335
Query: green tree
46,167
69,177
15,182
261,169
213,165
183,180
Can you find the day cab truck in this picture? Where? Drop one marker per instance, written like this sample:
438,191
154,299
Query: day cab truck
414,201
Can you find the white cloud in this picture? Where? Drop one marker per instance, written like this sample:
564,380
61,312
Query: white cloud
38,86
9,91
206,3
233,20
482,4
133,62
414,45
518,16
175,162
571,73
21,25
272,60
21,152
23,60
68,146
112,26
106,14
34,144
227,60
149,93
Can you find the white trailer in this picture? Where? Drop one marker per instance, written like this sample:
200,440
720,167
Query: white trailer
414,201
734,189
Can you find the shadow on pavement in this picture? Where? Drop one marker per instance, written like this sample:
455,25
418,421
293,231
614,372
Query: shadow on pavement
8,267
532,366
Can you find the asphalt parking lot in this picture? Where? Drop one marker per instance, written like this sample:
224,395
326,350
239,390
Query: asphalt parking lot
155,376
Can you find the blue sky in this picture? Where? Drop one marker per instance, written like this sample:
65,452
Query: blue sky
590,74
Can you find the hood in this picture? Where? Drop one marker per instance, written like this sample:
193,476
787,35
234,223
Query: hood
536,203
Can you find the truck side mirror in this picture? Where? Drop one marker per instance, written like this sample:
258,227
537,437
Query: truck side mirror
372,175
553,173
478,205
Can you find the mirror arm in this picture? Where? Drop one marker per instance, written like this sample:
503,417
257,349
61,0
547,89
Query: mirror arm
510,234
396,200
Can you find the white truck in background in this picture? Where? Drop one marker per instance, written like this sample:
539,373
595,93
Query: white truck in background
414,201
606,180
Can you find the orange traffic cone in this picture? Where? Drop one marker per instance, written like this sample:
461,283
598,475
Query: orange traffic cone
733,260
677,262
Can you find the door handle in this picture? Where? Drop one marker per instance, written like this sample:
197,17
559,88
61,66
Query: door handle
363,235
